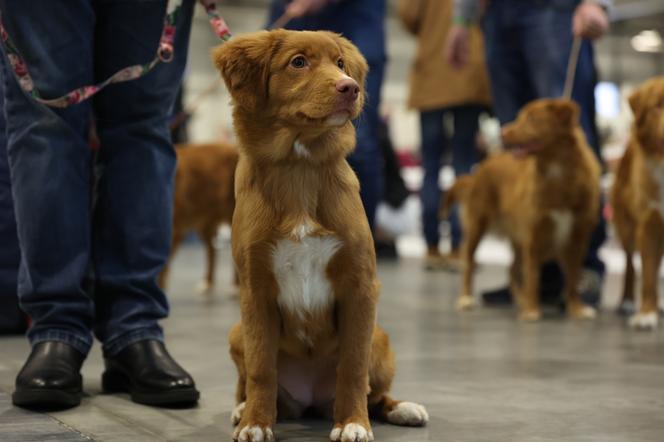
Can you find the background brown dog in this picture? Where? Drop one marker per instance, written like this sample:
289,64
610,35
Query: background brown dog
204,199
638,199
543,196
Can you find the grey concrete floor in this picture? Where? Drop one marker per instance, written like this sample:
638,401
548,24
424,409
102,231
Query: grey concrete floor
483,376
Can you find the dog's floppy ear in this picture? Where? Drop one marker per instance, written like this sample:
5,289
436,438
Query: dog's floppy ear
566,111
355,63
636,103
244,64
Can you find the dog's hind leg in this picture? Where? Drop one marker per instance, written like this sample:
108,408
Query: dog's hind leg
473,232
381,373
208,233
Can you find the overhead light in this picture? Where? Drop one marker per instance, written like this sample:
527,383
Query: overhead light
647,41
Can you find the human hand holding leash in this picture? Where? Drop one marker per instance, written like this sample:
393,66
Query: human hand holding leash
590,21
300,8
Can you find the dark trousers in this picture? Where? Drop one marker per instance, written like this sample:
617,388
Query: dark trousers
89,260
435,143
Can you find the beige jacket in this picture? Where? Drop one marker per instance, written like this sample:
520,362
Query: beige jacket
433,82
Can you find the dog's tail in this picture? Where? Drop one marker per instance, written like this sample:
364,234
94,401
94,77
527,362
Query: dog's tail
457,194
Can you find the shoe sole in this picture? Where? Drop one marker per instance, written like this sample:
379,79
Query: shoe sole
55,399
113,382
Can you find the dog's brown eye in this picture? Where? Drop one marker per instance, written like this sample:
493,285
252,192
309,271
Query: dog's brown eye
341,64
299,62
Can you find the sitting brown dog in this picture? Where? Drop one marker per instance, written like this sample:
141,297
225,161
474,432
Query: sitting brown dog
301,241
204,199
543,196
638,199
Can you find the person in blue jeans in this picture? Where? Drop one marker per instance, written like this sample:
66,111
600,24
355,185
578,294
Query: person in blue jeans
12,320
94,229
527,50
438,92
362,22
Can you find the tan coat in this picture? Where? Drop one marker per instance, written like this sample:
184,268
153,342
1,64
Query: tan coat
433,82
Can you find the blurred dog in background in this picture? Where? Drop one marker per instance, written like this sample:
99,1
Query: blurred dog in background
543,195
638,199
204,199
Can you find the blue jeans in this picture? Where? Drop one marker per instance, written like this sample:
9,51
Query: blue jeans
528,45
94,230
464,155
362,22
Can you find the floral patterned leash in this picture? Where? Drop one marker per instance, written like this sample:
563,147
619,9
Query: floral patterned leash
165,53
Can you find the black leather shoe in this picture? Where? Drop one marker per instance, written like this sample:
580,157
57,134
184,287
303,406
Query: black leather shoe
150,375
50,377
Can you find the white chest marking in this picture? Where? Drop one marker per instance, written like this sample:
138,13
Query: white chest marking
301,150
657,174
300,269
562,226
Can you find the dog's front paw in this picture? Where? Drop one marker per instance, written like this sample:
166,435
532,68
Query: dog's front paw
465,303
204,288
583,312
236,415
253,433
530,315
351,432
408,414
644,321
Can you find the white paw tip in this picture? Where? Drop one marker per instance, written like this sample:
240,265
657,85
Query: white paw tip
236,415
351,433
588,312
465,302
408,413
203,288
254,434
644,321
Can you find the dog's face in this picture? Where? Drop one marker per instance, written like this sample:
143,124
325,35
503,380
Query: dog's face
540,125
648,106
304,79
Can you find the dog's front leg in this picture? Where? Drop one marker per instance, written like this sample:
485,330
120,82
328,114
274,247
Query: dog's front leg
356,316
529,304
651,247
260,323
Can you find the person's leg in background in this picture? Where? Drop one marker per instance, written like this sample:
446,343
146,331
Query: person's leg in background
434,140
367,159
12,319
464,156
51,183
133,211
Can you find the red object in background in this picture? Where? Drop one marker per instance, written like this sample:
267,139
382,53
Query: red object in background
408,159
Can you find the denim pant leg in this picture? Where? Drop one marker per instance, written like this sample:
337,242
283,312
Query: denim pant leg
464,154
132,219
511,86
49,162
367,159
434,142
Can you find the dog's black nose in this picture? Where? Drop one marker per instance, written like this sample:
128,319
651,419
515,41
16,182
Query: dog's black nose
348,88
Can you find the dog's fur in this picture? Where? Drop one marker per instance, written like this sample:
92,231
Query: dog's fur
301,242
543,196
638,199
204,198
